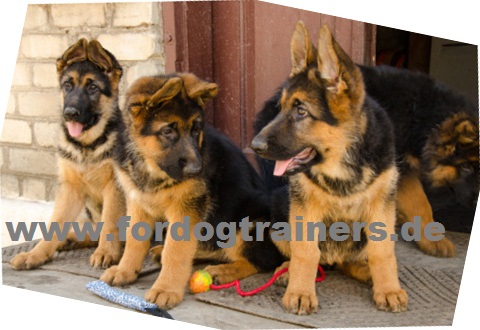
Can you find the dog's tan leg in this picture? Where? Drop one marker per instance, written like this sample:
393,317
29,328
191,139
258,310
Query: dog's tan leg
72,242
177,261
412,201
300,296
387,293
69,202
236,270
238,267
131,263
358,270
109,246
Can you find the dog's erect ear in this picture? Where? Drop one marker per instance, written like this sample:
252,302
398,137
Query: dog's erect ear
76,53
169,90
328,61
339,74
301,49
199,90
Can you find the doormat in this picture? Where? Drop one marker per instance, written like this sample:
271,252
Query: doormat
75,261
432,285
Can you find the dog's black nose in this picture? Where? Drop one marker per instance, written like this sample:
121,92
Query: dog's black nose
259,144
192,168
71,114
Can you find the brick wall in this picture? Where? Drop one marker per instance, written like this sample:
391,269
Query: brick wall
131,31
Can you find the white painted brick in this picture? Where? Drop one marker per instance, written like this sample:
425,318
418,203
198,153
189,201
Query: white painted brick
11,104
41,46
135,14
33,189
52,192
22,76
46,134
37,17
33,161
16,131
76,15
45,75
10,186
129,46
39,104
142,69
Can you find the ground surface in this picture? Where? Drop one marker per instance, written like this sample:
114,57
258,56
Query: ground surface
67,275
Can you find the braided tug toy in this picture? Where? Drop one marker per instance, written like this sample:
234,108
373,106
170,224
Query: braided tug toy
201,281
118,297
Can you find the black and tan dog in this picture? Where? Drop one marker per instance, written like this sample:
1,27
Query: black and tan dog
174,166
336,146
89,77
436,142
436,130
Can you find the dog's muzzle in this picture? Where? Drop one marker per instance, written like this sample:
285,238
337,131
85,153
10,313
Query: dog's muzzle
259,144
71,114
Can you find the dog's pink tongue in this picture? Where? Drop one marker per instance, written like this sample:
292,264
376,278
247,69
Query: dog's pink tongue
281,166
74,128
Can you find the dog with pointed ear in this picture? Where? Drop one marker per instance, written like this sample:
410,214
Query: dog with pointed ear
326,139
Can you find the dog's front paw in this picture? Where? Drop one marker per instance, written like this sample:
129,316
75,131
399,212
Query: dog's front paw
301,303
223,273
393,301
162,298
28,260
118,276
442,248
104,258
282,280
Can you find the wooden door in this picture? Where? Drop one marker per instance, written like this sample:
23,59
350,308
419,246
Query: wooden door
243,46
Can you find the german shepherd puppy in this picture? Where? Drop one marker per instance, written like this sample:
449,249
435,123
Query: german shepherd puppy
437,143
172,166
336,146
89,77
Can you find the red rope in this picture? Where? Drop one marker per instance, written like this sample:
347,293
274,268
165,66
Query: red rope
236,283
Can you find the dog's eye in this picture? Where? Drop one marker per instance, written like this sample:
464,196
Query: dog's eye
67,86
167,131
92,88
196,128
301,111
